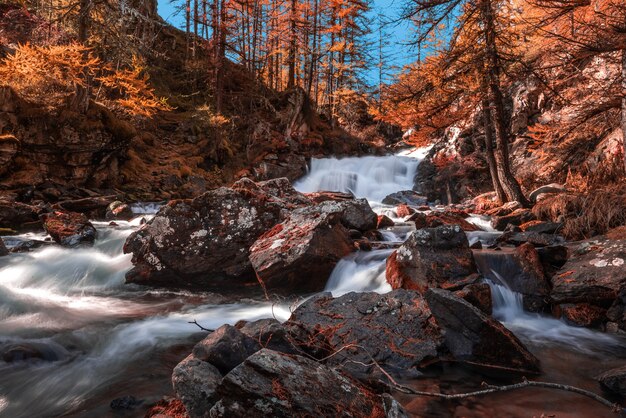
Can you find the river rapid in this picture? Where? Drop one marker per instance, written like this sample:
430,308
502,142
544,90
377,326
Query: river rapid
95,338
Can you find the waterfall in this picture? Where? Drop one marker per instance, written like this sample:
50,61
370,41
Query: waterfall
370,177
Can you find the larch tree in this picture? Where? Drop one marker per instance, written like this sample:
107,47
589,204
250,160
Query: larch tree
485,23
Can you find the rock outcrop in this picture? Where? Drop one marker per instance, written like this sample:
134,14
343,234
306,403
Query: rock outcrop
3,249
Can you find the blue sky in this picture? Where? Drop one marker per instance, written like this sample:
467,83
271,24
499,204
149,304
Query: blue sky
398,35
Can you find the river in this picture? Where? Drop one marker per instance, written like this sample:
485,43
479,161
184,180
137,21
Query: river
95,338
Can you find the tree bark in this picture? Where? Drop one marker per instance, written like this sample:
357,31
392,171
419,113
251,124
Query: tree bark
492,71
291,80
489,154
624,104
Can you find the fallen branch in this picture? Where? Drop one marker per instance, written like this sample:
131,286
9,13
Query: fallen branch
524,384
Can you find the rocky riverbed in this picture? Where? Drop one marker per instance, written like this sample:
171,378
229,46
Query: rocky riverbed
305,302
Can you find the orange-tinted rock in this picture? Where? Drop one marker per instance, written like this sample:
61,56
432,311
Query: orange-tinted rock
404,210
583,314
384,221
432,257
479,295
69,229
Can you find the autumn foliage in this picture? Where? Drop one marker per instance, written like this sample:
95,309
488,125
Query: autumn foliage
50,75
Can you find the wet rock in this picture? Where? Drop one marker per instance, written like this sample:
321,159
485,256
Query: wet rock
3,248
517,218
521,271
552,258
593,276
535,238
272,384
617,311
432,257
125,403
479,295
440,218
357,214
69,229
384,221
270,333
119,211
614,381
194,382
404,210
319,197
407,197
475,338
225,348
18,216
582,314
19,245
300,253
541,227
395,328
288,165
205,241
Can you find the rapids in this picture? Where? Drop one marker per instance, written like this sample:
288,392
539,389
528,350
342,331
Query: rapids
74,336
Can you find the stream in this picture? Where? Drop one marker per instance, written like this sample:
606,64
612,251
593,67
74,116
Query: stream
91,338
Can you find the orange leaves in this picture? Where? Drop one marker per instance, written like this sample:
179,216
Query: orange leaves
49,75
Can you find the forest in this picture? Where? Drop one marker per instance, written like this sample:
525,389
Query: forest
312,208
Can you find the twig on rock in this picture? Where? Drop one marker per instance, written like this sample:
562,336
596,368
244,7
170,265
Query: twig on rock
200,326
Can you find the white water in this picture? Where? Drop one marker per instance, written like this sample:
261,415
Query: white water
370,177
95,332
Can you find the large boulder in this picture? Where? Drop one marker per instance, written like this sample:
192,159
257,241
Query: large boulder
194,382
206,241
9,147
594,274
520,270
69,229
407,197
273,384
300,253
617,312
396,329
432,257
475,338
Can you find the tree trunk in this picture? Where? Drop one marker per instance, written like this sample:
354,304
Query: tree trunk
509,183
624,103
291,79
489,154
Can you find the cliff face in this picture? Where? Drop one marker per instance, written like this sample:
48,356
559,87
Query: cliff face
570,134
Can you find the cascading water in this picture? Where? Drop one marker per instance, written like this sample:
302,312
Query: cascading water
370,177
73,334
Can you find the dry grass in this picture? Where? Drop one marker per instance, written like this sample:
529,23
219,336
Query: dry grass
585,215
